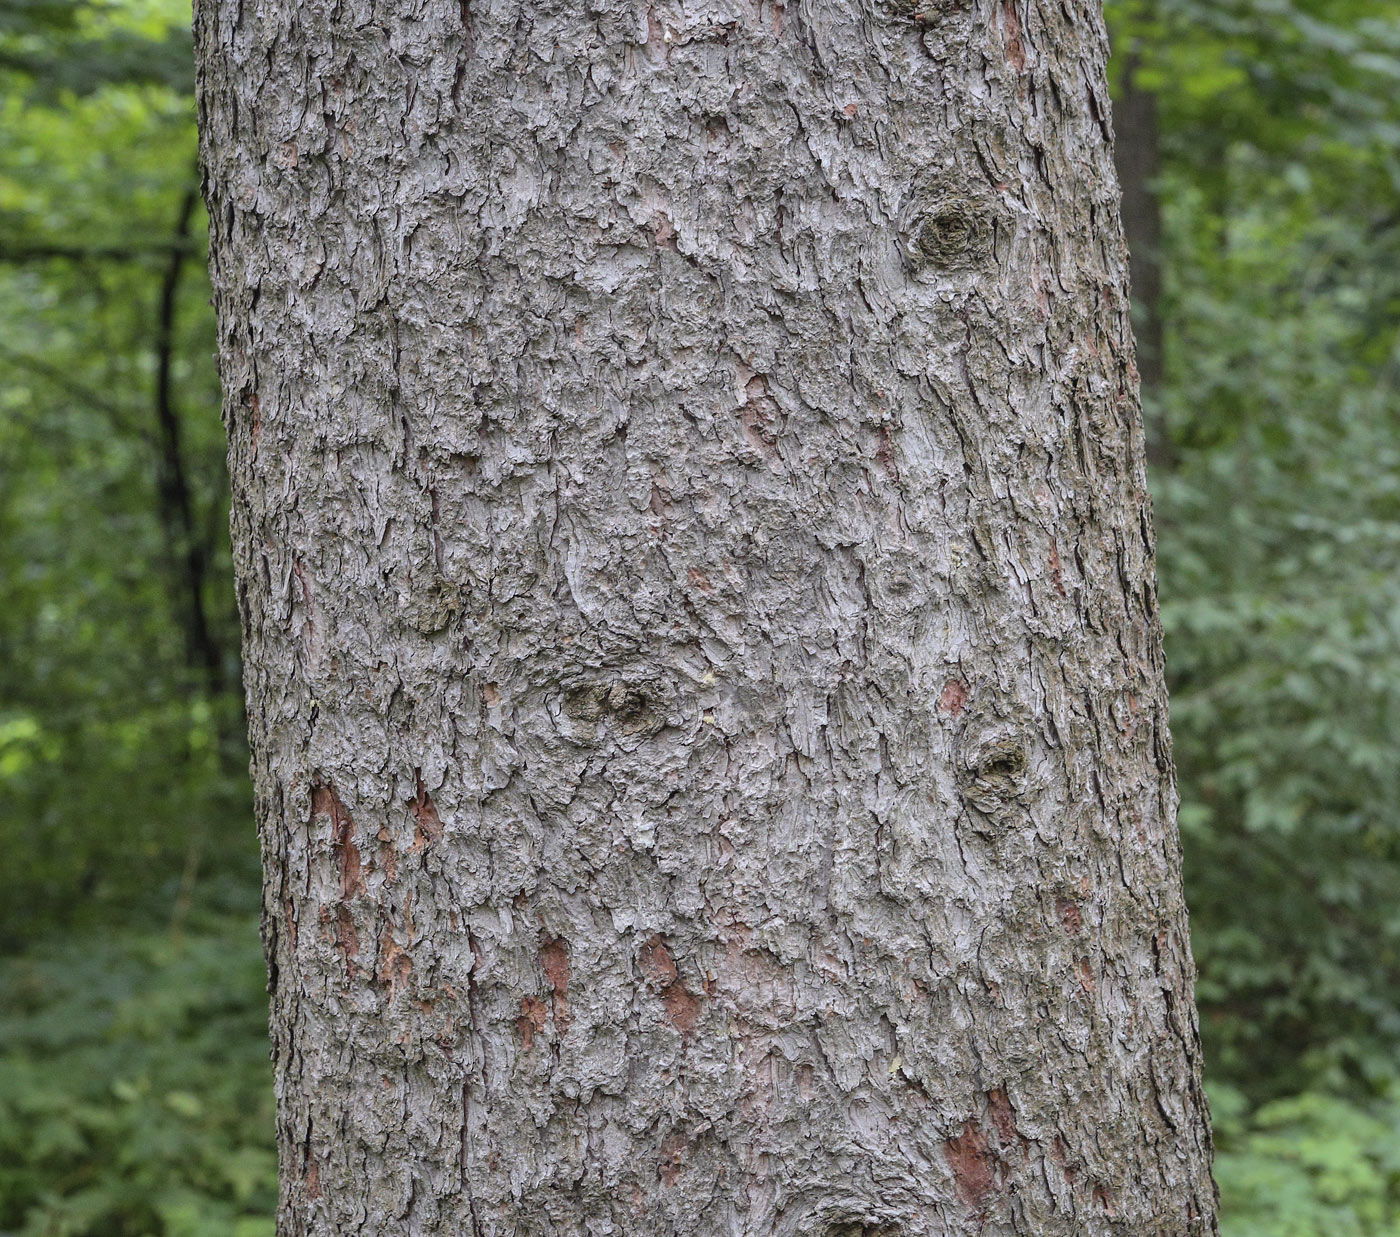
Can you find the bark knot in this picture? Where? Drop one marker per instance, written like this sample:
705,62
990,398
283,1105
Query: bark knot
953,232
923,12
995,772
630,708
862,1228
433,607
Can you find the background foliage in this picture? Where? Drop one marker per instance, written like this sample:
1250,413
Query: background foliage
134,1090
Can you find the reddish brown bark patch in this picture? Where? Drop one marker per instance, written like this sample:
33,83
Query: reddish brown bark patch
974,1166
347,938
672,1159
1015,45
554,959
1086,975
1070,915
954,698
1002,1117
325,802
395,966
425,814
533,1015
388,860
979,1154
663,232
1059,1155
760,415
657,962
255,420
884,452
299,571
683,1009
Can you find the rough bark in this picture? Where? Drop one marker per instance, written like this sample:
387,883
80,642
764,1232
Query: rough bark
702,656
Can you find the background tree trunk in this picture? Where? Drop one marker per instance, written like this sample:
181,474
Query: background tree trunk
1138,159
702,654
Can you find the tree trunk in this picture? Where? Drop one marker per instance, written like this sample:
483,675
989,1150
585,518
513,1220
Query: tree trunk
702,654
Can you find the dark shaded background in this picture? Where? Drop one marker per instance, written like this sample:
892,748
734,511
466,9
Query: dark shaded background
1260,147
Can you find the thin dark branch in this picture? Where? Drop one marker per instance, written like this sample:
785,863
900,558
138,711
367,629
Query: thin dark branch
122,418
188,552
46,251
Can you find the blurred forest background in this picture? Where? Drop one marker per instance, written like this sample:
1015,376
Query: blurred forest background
1260,143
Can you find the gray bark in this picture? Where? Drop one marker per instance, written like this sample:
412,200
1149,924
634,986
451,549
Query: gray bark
702,655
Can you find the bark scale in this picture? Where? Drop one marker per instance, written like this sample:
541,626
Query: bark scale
701,648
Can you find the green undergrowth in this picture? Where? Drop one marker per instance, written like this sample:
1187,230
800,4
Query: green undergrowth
1313,1165
135,1089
